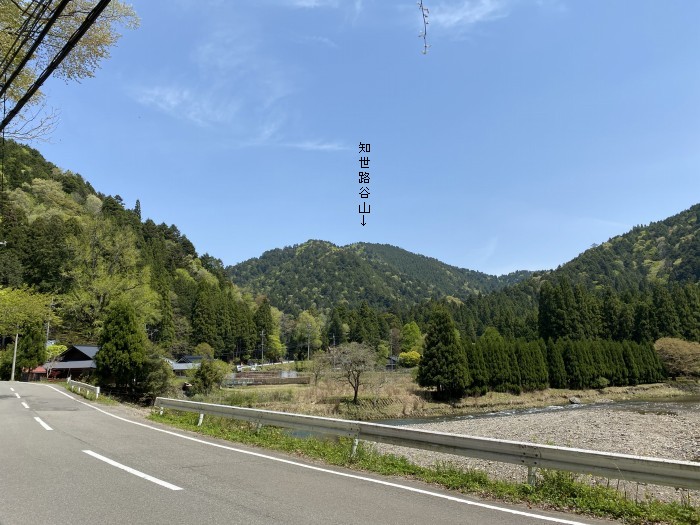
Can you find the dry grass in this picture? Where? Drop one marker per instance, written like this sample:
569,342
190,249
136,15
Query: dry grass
386,395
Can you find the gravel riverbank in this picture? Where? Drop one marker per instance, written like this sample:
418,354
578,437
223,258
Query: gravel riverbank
673,434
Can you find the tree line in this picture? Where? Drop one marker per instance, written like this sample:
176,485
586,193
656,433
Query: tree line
455,366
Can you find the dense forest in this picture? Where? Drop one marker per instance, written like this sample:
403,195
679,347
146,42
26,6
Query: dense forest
319,274
588,322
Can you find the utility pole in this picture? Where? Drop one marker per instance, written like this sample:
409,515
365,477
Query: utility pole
14,357
308,341
262,346
48,322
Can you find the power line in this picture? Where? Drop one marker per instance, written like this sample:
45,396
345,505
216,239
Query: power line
24,30
35,45
67,48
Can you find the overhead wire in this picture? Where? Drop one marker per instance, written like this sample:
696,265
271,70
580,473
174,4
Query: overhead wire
35,45
25,30
58,58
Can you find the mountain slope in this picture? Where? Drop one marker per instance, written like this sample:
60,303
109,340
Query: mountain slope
665,251
320,274
441,278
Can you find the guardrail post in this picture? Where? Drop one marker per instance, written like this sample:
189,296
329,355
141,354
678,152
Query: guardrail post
201,418
531,476
97,392
355,442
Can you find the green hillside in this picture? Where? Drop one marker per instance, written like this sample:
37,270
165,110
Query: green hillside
84,250
666,251
320,274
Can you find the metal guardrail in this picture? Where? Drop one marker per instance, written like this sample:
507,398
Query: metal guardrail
657,471
84,386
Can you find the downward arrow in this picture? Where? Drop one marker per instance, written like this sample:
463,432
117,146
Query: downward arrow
363,220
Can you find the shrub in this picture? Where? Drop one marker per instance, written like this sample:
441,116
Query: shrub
409,359
600,383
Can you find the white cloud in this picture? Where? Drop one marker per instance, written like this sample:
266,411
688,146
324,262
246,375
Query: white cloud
184,103
464,14
232,84
311,3
317,145
322,40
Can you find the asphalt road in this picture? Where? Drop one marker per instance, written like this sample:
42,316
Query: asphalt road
63,460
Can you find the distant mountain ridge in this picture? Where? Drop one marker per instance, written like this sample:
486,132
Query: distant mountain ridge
320,274
666,251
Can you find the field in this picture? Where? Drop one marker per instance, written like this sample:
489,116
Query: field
386,395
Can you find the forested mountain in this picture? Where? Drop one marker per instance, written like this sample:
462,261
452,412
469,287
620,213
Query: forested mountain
319,274
82,251
667,251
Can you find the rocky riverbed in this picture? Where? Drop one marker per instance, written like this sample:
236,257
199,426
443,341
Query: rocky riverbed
672,433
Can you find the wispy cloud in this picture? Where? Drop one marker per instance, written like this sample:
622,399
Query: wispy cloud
311,3
184,103
466,13
317,145
321,40
232,84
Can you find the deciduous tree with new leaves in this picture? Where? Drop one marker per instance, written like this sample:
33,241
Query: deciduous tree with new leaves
26,56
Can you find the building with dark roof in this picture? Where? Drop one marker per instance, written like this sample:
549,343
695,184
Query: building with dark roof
76,361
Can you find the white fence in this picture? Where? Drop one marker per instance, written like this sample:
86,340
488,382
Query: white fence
75,385
679,474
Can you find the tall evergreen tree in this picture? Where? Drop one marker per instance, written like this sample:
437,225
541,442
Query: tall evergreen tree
364,325
263,318
244,330
335,331
444,363
31,350
477,367
122,347
166,325
556,369
204,317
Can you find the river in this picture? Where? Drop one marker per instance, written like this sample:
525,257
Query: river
659,406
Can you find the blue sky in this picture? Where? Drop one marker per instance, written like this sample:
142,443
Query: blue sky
529,131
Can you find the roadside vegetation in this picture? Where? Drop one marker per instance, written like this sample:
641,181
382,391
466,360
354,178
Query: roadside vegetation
552,490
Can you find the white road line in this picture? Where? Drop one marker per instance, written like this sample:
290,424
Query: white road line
17,395
25,405
133,471
333,472
12,389
38,420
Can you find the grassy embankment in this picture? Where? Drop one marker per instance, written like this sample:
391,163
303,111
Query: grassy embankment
102,398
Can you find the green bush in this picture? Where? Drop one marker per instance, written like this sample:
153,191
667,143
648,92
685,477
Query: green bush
409,359
600,383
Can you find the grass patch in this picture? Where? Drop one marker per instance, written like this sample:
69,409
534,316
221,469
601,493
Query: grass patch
101,399
554,490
